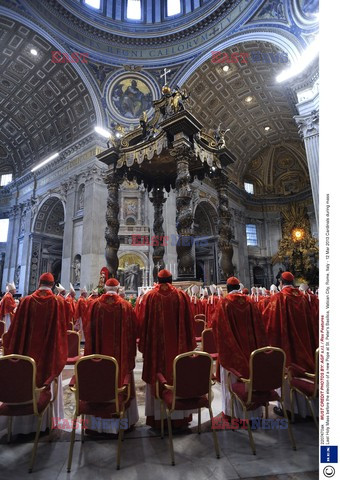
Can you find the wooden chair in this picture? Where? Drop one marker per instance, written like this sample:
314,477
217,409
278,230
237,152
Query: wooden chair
266,376
191,390
97,393
305,384
20,396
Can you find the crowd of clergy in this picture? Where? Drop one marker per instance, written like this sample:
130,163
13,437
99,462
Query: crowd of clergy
161,325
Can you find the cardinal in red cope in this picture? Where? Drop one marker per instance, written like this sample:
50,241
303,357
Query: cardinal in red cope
140,308
289,323
195,302
292,325
238,330
111,330
263,299
38,330
314,305
71,302
166,331
80,311
212,301
94,296
8,305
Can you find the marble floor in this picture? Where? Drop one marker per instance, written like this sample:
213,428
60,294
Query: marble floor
146,456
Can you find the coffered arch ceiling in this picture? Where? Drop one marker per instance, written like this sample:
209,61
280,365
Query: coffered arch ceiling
44,106
220,97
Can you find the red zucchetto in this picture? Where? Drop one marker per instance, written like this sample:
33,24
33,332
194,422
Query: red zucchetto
46,278
233,281
112,282
289,277
164,276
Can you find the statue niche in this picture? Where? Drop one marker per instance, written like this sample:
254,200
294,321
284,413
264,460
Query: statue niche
132,274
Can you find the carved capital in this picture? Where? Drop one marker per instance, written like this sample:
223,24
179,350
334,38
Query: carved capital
308,125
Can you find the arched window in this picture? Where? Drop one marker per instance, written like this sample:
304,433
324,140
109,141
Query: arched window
173,7
249,187
134,10
4,223
93,3
251,234
5,179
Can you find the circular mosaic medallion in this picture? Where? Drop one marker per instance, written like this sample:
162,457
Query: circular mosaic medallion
129,96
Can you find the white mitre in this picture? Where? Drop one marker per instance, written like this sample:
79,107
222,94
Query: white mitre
10,286
60,288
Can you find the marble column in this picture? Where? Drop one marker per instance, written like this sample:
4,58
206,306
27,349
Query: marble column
309,130
184,215
112,221
224,230
158,200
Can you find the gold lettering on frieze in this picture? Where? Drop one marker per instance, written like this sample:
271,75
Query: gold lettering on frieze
153,53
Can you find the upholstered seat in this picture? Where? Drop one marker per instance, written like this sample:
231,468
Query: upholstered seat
191,389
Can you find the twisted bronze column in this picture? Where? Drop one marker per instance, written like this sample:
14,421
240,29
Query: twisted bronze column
184,214
112,220
224,230
158,200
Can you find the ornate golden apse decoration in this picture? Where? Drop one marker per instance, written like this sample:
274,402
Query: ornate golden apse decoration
298,250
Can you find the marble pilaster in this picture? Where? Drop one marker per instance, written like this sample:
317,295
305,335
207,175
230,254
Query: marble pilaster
309,131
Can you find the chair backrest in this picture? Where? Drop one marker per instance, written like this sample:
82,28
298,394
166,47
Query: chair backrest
2,327
199,327
208,341
17,379
73,343
200,316
97,379
266,367
192,374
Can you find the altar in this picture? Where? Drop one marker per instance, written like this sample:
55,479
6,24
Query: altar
168,151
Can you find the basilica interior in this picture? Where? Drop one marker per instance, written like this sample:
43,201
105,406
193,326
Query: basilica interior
77,79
